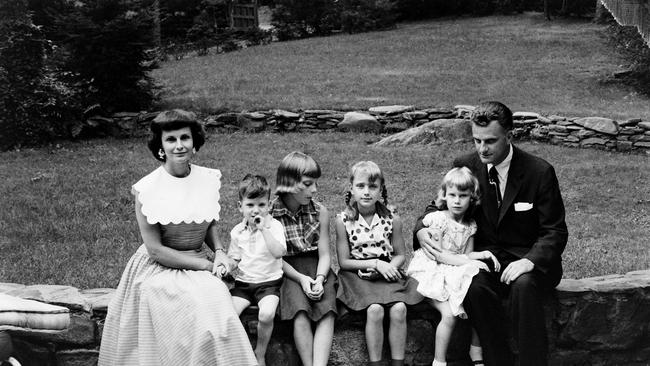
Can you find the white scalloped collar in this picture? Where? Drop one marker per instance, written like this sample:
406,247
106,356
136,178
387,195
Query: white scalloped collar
168,199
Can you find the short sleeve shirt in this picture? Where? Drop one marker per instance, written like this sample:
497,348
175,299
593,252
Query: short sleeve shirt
369,240
256,263
302,228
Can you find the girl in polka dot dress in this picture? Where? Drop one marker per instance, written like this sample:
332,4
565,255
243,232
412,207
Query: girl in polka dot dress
371,250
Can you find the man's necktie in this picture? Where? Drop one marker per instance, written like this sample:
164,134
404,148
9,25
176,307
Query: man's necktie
494,182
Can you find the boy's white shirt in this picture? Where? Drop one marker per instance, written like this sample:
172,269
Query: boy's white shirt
256,263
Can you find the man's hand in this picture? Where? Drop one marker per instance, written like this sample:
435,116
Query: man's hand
516,269
426,238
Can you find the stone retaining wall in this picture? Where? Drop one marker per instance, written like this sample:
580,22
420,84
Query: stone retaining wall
631,135
591,321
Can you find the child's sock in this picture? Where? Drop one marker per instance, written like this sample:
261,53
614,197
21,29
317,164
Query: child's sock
438,363
394,362
475,353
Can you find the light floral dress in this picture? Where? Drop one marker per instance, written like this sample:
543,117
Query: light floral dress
440,281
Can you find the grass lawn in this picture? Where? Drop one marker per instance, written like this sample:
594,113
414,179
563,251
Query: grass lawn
67,213
556,67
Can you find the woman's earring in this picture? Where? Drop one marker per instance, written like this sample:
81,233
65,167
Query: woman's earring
161,154
193,150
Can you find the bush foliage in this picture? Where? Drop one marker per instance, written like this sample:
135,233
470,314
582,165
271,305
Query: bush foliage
628,41
82,54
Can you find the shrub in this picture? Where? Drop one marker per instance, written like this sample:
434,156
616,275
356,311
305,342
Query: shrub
628,41
305,18
35,105
106,44
367,15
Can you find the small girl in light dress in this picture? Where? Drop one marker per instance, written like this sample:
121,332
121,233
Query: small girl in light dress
371,251
445,278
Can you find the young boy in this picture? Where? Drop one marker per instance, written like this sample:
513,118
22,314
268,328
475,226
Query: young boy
257,246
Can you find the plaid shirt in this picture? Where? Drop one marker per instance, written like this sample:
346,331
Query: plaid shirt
302,229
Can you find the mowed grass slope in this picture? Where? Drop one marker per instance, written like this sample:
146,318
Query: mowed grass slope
68,218
555,67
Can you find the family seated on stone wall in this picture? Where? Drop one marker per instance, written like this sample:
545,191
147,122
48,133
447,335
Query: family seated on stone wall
496,230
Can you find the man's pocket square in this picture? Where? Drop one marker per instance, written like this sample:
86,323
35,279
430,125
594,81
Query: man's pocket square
523,206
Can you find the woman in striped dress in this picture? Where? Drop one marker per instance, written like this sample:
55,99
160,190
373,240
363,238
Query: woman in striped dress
169,308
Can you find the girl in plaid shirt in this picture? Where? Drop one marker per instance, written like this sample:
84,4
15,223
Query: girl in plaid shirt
308,295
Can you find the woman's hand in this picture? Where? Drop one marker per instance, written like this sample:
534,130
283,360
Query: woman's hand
388,270
219,269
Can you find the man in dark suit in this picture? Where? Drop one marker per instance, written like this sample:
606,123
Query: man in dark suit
521,221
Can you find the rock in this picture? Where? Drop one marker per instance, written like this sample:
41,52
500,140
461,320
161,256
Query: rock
334,116
583,134
356,121
77,357
463,110
539,133
557,128
98,298
7,287
564,123
438,111
630,131
396,127
256,116
316,112
525,115
630,122
644,125
525,122
434,131
593,141
125,114
599,124
285,114
227,118
545,121
624,146
415,115
391,109
67,296
251,121
642,144
556,118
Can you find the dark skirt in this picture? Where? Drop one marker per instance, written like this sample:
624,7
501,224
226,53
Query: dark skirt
357,293
294,300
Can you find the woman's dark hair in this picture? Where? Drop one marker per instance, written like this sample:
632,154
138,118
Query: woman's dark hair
172,120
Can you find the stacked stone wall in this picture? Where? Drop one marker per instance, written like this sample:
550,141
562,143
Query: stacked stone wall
591,321
630,135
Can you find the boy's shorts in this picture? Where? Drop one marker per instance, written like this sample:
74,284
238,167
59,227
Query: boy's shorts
254,292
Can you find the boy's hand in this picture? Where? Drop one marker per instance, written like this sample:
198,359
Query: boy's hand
219,269
262,221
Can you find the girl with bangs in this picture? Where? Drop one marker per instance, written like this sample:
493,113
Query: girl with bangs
308,295
371,250
445,279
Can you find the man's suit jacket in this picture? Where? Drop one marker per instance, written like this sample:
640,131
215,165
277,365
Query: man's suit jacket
530,222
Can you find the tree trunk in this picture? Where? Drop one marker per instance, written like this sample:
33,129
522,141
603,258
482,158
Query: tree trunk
157,41
547,12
